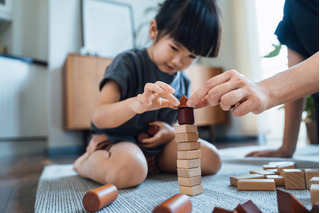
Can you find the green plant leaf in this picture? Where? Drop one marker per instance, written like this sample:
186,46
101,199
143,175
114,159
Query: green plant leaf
275,52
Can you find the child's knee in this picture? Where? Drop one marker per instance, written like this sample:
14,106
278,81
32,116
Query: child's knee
210,159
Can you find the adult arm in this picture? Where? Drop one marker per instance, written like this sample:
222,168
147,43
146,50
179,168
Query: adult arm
233,91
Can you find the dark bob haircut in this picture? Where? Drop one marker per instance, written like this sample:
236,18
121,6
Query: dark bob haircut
193,23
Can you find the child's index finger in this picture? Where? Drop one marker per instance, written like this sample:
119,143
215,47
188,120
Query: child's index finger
165,87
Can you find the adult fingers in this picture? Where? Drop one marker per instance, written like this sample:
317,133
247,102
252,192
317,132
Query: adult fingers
232,99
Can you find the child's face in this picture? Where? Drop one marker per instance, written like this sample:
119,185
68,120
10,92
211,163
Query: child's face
170,56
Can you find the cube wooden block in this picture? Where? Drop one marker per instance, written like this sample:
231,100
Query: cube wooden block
189,146
277,163
256,185
262,172
234,180
191,190
275,171
269,166
189,172
278,179
187,164
310,173
192,154
294,179
314,180
314,193
189,181
187,137
281,167
185,128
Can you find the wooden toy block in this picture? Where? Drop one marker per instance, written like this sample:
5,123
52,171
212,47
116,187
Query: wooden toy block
314,193
189,146
275,171
281,167
234,180
269,166
185,114
189,172
192,154
262,172
277,163
247,207
315,208
190,181
294,179
288,203
278,179
187,137
221,210
142,136
178,203
152,130
191,190
100,197
187,164
310,173
185,128
256,185
314,180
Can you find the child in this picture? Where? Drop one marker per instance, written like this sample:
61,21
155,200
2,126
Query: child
140,88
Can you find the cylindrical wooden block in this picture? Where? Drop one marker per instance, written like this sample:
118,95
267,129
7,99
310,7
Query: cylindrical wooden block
178,203
152,130
185,115
100,197
142,136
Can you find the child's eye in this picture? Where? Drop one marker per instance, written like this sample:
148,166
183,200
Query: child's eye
193,56
174,48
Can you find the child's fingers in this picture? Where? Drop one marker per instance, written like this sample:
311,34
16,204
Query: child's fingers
144,100
149,88
165,87
171,98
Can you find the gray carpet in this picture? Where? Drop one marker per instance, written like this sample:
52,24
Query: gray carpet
60,189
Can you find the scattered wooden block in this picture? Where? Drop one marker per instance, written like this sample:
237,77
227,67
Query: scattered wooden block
175,204
192,154
278,179
294,179
275,171
256,185
189,181
185,128
187,164
221,210
288,203
315,208
262,172
269,166
187,137
281,167
234,180
310,173
189,172
189,146
277,163
314,180
191,190
247,207
314,193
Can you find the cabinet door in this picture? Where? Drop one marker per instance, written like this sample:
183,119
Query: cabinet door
82,75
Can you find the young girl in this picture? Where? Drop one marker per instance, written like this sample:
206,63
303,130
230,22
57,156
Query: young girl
140,88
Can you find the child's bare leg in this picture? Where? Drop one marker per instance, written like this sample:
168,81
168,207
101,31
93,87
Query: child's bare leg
124,165
210,159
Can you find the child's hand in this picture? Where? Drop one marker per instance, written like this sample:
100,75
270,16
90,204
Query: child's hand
164,135
155,96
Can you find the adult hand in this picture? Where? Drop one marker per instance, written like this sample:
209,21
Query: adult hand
270,153
164,135
155,96
231,90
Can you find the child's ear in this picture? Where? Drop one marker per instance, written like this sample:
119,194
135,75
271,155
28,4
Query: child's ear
153,29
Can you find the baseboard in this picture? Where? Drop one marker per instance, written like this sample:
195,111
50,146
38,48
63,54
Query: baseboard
24,147
62,151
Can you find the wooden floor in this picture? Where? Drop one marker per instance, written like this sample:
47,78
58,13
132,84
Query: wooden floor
19,179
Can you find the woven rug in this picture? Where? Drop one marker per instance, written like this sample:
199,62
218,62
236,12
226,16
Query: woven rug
61,189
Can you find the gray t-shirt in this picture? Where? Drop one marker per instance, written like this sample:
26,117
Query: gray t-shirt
132,69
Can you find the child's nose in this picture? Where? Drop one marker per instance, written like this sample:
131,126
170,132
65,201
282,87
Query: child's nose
177,61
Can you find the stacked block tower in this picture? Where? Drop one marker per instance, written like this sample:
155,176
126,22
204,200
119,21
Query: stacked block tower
189,153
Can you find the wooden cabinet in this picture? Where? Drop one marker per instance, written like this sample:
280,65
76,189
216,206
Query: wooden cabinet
82,75
206,116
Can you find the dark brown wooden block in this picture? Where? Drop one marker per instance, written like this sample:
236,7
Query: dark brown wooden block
288,203
178,203
247,207
152,130
185,114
